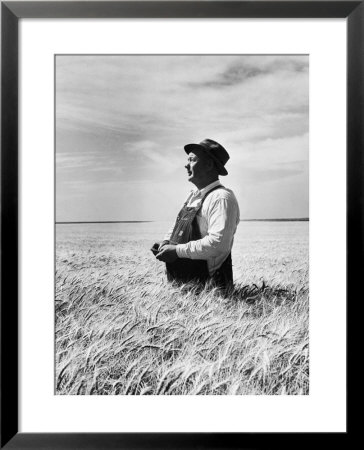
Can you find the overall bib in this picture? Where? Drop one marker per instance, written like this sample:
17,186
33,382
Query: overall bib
184,269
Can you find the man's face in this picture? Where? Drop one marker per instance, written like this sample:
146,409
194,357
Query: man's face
196,167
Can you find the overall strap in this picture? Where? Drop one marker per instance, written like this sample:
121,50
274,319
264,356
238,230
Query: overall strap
188,199
220,186
185,228
204,197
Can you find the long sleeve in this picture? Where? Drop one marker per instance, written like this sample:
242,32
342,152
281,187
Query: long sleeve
222,219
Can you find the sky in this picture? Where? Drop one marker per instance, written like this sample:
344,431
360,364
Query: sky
122,122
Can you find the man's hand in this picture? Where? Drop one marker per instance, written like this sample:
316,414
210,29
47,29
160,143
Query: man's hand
168,253
162,244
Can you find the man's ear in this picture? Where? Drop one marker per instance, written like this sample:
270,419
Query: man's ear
211,164
214,167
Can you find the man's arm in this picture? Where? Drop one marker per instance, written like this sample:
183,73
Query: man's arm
222,222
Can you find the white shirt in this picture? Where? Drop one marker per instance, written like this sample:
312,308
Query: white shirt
217,221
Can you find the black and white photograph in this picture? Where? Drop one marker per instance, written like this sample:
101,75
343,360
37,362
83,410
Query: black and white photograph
181,224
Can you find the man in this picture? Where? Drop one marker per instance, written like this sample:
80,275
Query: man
198,247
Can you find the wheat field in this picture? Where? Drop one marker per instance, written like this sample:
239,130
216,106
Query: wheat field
122,329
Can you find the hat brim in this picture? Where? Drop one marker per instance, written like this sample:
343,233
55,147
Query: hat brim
220,168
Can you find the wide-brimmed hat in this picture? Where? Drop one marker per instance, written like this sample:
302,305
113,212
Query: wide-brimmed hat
214,150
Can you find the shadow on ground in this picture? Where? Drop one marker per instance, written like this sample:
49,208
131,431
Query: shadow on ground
253,293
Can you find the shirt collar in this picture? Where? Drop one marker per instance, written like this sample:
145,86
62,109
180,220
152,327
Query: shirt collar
207,188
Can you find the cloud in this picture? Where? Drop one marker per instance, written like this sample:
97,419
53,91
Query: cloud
132,96
239,72
260,175
125,119
74,160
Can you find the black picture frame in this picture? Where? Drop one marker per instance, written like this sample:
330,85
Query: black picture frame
11,12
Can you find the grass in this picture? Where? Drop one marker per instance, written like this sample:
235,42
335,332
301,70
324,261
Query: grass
122,329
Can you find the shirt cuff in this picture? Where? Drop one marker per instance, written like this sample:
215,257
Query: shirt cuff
181,250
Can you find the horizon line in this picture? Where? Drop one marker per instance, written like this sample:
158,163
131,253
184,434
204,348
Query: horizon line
293,219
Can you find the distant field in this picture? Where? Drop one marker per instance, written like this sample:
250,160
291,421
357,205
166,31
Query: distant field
122,329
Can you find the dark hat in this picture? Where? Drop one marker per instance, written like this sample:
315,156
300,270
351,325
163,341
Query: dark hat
214,150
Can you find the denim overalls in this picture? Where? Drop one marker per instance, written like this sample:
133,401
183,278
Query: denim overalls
185,269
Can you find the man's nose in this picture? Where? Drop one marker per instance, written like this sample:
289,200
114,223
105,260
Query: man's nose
187,166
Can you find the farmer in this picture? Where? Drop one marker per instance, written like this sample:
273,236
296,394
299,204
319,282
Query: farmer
198,246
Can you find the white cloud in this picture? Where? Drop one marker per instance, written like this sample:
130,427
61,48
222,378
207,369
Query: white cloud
126,118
